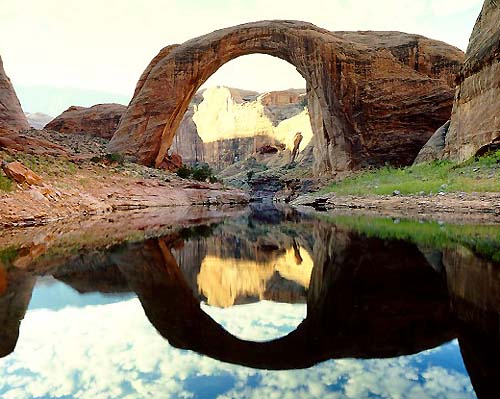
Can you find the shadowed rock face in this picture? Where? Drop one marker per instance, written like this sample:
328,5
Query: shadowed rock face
433,149
99,120
13,305
371,101
474,287
475,121
11,113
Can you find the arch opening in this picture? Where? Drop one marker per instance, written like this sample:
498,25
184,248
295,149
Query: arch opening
243,120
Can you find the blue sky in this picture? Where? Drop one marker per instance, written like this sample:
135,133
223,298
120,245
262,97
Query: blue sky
105,45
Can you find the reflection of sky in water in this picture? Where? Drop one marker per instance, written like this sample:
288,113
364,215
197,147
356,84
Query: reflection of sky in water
109,350
52,294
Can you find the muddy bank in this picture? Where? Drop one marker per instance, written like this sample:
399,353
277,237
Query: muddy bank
458,207
90,192
21,246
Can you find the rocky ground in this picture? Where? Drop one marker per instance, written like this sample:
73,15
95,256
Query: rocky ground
86,180
452,207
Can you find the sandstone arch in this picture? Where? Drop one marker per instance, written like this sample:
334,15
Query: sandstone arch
356,84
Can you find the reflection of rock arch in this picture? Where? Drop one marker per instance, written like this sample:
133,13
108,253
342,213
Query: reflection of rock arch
333,328
399,307
346,81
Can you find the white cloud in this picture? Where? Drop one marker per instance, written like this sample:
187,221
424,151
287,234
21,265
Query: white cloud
111,351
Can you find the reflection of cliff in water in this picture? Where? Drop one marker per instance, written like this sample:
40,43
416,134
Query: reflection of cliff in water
237,264
367,297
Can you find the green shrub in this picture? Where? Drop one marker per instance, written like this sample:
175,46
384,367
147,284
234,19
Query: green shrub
115,157
110,158
184,172
201,172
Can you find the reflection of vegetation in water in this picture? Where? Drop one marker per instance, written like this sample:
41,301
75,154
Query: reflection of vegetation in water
7,255
483,240
202,230
480,175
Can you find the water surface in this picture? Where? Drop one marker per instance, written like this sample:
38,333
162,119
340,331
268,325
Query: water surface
268,303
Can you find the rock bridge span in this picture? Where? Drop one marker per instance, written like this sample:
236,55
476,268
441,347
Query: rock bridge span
374,97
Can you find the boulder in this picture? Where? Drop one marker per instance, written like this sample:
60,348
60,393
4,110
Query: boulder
21,174
475,120
99,120
267,149
171,162
373,97
433,149
11,113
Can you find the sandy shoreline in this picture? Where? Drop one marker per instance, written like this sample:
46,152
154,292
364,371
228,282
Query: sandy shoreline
450,207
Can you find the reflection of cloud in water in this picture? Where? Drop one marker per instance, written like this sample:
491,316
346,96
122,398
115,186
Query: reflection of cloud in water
111,351
260,321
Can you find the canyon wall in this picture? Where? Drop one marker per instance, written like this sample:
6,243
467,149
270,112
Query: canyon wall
225,125
99,120
475,120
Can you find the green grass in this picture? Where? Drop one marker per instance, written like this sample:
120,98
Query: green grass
484,240
475,175
5,183
43,164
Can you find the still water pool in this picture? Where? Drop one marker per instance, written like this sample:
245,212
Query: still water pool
268,304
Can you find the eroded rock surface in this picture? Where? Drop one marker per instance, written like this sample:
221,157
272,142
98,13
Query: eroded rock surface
20,173
11,113
225,125
371,101
475,121
434,148
99,120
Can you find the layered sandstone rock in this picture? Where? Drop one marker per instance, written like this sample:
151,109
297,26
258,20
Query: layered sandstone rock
99,120
187,142
226,125
433,58
475,120
20,173
371,101
11,113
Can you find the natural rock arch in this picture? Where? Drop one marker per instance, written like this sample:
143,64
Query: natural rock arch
350,87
